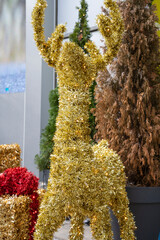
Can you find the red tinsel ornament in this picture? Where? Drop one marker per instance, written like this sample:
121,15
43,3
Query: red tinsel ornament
19,181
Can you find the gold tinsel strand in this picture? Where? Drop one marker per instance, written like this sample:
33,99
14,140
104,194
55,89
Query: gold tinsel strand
41,193
84,180
14,217
111,28
9,156
49,50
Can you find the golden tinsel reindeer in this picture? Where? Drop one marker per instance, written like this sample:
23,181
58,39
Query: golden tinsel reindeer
84,180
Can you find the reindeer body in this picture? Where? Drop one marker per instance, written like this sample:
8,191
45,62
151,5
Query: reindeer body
84,180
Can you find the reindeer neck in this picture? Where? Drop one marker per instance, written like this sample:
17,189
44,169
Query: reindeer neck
73,117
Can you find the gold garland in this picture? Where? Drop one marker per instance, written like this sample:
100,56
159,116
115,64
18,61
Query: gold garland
111,28
41,193
9,156
157,3
49,50
14,217
84,180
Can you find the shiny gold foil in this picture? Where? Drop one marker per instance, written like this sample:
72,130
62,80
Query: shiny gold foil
9,156
84,180
14,218
41,193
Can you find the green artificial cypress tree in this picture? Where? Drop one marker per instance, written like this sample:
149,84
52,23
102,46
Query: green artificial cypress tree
91,111
46,143
81,34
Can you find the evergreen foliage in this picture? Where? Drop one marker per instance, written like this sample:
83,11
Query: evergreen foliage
151,2
128,100
81,33
91,111
46,141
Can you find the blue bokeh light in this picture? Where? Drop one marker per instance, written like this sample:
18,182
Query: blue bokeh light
12,78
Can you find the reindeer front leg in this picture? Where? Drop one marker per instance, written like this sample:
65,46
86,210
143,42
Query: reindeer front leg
51,216
77,228
49,50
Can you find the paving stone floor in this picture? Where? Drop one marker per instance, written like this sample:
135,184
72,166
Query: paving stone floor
63,232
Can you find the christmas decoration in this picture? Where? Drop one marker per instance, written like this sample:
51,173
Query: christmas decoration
18,181
9,156
84,180
81,35
128,99
157,3
14,217
151,1
46,142
41,193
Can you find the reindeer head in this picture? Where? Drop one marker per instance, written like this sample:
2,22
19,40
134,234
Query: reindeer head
74,67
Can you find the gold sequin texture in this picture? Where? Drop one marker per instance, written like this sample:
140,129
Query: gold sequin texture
85,180
14,217
9,156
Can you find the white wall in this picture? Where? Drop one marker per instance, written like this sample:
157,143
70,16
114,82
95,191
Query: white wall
39,81
11,118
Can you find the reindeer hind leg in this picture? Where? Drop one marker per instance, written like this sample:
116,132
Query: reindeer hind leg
101,225
120,208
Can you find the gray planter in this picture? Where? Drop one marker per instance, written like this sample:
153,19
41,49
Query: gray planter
145,206
43,178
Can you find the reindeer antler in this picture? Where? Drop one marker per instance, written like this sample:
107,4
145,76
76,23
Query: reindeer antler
111,28
49,50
